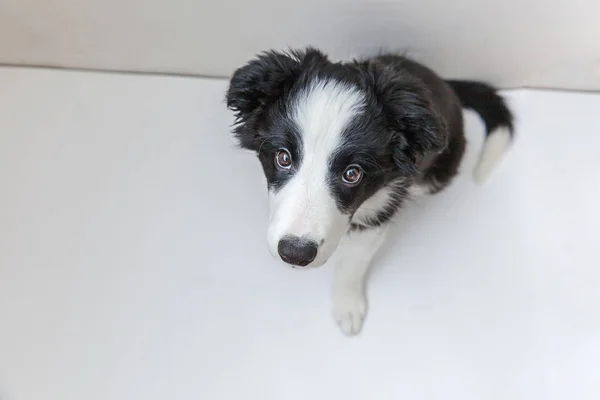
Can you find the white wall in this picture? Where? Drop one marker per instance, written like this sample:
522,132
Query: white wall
547,43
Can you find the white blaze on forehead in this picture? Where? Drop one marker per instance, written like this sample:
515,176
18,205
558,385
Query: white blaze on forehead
321,112
305,205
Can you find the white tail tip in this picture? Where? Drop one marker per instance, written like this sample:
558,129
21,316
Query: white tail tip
494,147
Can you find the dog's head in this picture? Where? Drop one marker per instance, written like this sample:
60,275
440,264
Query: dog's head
329,136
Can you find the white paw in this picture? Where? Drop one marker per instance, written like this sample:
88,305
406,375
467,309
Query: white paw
349,310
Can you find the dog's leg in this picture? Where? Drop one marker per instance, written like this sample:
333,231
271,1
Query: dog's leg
355,254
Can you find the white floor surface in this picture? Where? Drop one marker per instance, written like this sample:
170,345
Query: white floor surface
133,260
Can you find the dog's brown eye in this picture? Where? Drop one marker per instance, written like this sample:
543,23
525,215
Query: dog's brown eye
352,175
283,159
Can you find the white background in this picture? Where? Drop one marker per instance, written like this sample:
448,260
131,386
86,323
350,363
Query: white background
511,43
133,260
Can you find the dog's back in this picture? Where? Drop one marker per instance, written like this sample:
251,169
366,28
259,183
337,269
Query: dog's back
449,97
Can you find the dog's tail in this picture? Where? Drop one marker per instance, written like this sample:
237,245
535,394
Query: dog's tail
485,101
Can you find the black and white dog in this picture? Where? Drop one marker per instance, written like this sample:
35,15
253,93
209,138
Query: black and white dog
344,144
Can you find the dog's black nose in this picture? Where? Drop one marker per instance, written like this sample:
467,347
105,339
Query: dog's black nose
297,251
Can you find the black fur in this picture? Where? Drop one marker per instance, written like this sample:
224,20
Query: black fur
261,84
484,100
409,132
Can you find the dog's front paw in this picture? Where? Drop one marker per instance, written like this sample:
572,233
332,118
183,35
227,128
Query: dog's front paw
349,310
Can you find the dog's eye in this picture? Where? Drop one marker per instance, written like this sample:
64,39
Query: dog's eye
352,175
283,159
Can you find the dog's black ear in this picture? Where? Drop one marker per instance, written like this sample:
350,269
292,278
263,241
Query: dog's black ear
418,127
258,84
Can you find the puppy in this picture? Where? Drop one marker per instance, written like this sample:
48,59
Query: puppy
344,144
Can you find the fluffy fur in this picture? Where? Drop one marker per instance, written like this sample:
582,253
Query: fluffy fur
343,145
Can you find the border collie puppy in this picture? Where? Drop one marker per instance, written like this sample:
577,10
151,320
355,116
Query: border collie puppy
344,144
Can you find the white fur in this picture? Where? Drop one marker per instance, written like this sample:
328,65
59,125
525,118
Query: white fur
349,300
493,148
419,190
305,206
378,201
